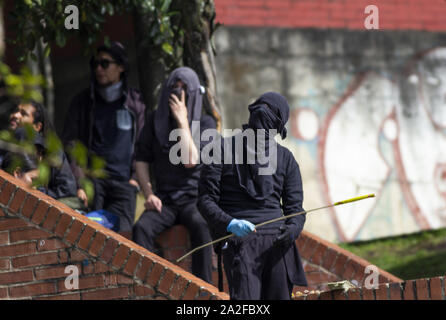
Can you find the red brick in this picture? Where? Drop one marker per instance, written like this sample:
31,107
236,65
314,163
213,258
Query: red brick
191,291
4,264
63,256
17,201
395,291
339,295
86,237
167,281
106,294
2,213
71,296
122,279
367,294
84,283
35,260
120,256
381,292
155,274
16,277
6,193
17,249
116,278
329,258
132,263
203,295
143,291
436,290
97,267
318,255
309,267
310,247
63,224
4,237
49,245
40,212
318,277
3,293
109,249
326,295
97,244
351,269
339,265
12,224
300,242
75,230
354,294
28,234
313,296
146,264
77,256
51,219
408,290
32,290
51,273
30,204
422,289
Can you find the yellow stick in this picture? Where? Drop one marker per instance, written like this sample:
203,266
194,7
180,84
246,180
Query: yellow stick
278,219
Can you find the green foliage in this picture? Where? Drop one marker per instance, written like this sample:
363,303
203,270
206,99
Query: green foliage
412,256
23,85
45,19
52,158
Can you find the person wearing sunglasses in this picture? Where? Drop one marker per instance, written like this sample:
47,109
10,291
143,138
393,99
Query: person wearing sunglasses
107,118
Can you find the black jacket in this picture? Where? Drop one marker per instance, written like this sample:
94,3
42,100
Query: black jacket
79,121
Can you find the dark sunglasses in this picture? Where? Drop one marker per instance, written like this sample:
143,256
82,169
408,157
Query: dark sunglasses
104,63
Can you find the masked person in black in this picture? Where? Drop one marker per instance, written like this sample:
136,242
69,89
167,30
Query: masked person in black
260,263
174,202
107,118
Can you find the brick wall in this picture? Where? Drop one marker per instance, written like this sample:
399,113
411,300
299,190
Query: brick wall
40,237
419,289
323,261
393,14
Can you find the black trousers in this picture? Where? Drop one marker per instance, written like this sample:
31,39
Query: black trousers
185,212
255,268
118,197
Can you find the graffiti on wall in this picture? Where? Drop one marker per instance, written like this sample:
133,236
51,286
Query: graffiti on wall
384,135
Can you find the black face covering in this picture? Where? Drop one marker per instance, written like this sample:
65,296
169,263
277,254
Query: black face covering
164,121
270,111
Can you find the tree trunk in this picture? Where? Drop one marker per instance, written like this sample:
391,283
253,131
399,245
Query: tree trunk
197,20
152,68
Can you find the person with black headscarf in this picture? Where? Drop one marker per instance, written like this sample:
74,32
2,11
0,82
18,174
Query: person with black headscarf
107,119
260,263
174,201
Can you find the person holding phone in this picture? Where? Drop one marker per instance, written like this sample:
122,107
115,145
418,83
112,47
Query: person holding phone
175,199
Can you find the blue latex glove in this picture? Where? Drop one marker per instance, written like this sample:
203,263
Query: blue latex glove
240,227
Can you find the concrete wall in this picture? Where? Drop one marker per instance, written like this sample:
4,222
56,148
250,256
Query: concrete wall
368,116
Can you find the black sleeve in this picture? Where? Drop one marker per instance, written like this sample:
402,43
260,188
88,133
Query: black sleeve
71,134
144,145
208,198
207,122
62,182
292,194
